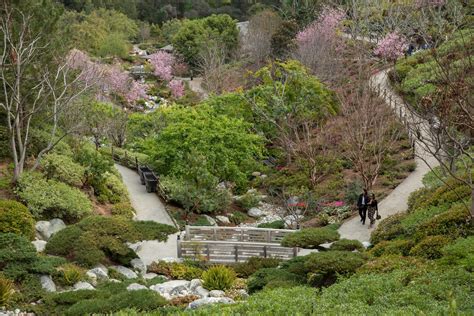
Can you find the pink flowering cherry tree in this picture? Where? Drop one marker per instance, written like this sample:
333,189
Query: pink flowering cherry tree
163,63
177,88
319,42
392,46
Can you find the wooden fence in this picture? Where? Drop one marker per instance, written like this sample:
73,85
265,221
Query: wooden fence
232,252
236,234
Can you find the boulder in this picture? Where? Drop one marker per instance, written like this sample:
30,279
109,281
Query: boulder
194,283
202,292
138,265
39,245
256,174
366,244
255,212
243,293
210,300
149,276
83,286
216,293
210,220
136,287
126,272
100,272
46,229
47,283
223,219
169,287
92,278
292,220
115,281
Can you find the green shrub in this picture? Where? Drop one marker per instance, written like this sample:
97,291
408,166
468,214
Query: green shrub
325,267
275,225
50,198
388,263
310,237
252,265
269,276
248,200
63,168
347,245
18,258
124,209
191,195
176,270
460,253
71,274
111,189
453,223
99,239
15,218
430,247
400,292
218,278
392,247
238,217
389,228
143,300
6,291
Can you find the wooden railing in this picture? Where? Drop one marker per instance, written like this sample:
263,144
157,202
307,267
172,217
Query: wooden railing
233,244
232,252
236,234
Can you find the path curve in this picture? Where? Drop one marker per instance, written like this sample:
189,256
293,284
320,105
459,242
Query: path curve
149,208
196,86
397,200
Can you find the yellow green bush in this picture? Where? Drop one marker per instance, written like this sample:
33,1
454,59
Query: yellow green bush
16,218
218,278
430,247
392,247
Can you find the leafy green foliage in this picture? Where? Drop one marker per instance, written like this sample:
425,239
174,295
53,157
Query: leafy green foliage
430,247
218,278
63,168
124,209
389,228
310,237
399,292
273,278
15,218
194,34
460,253
392,247
248,200
325,267
175,270
388,263
252,265
18,258
50,198
275,225
99,239
347,245
111,190
225,146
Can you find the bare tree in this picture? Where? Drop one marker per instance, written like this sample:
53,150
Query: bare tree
56,90
212,58
370,131
446,128
258,41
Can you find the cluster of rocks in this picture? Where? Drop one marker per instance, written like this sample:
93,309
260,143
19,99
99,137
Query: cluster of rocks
44,231
16,312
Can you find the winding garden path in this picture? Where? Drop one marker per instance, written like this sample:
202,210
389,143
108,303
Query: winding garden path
397,200
149,208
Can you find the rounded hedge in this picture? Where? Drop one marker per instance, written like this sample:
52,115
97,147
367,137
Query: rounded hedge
430,247
16,218
347,245
389,228
310,238
392,247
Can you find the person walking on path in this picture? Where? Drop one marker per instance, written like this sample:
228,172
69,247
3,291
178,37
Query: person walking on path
362,205
372,210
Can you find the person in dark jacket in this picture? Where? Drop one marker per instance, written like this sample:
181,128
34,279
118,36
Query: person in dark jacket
362,202
372,209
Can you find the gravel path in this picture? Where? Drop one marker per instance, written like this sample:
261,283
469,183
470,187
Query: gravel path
196,86
397,200
149,208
